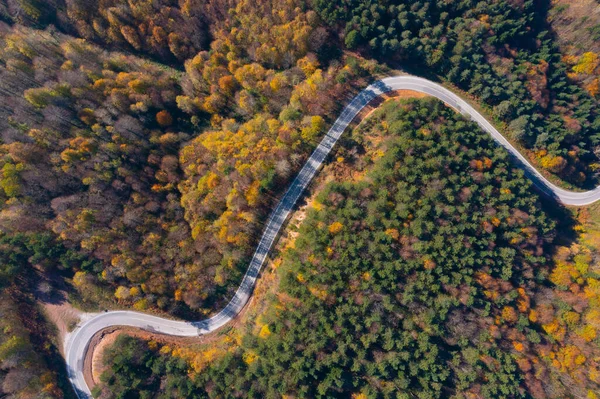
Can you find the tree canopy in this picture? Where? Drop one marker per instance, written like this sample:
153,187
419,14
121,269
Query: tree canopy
417,279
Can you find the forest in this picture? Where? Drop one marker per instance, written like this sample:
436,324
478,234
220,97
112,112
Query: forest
501,52
100,152
143,144
26,370
427,276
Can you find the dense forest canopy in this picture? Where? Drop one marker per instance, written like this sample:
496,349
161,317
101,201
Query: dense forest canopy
421,278
143,143
500,51
160,177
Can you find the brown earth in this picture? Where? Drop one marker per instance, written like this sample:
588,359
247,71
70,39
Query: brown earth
392,95
53,299
572,21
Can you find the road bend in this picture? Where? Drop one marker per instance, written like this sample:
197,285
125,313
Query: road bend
77,342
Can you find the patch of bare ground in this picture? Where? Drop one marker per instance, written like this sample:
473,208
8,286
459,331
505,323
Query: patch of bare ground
99,344
52,297
576,24
392,95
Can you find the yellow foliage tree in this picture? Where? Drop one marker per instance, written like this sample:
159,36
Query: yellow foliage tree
554,164
122,293
80,279
569,357
335,227
588,333
561,275
264,331
308,64
587,63
249,357
509,314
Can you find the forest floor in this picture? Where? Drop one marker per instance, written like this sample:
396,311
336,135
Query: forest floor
576,24
57,308
396,94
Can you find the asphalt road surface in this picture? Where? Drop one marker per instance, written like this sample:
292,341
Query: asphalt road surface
76,343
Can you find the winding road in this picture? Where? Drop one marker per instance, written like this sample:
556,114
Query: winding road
77,343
